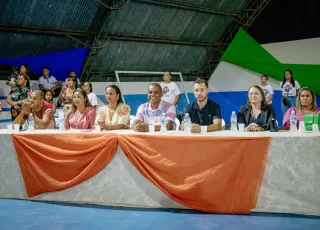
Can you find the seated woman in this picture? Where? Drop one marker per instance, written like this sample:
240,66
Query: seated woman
306,104
82,114
66,95
24,70
19,95
154,108
114,115
257,115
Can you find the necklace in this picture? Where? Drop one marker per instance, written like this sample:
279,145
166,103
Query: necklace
255,113
305,111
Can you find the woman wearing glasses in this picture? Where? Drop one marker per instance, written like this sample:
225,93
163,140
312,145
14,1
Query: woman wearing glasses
306,104
257,114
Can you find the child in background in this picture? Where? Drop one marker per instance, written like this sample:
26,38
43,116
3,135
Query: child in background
49,102
13,77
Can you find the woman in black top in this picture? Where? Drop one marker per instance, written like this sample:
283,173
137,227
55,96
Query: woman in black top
257,114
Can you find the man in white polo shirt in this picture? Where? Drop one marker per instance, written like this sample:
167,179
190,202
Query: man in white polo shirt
47,82
267,89
170,90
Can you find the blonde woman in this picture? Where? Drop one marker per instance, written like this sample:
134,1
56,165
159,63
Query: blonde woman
306,104
257,114
82,114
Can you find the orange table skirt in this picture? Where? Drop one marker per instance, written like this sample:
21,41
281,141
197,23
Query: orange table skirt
210,174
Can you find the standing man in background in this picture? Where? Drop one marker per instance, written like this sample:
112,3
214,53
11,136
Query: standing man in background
267,89
170,90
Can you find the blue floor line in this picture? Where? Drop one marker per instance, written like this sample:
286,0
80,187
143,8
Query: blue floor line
172,210
37,215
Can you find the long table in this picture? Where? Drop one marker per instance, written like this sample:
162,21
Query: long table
290,183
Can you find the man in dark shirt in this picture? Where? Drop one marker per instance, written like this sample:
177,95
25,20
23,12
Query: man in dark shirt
203,112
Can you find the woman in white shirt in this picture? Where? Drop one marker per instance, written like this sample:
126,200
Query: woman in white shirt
289,88
114,115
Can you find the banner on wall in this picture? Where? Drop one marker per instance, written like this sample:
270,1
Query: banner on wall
245,52
59,63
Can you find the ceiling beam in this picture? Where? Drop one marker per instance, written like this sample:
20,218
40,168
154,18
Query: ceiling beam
30,30
187,7
161,40
79,34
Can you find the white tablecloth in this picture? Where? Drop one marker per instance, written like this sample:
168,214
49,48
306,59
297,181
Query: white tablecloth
291,183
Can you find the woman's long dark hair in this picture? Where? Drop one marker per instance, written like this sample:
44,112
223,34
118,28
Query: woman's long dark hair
27,68
26,77
75,82
291,80
116,88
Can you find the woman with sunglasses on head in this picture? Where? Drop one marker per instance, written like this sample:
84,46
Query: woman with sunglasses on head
82,114
289,88
306,104
257,114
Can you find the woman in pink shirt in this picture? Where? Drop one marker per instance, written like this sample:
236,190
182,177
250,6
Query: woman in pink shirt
306,104
82,115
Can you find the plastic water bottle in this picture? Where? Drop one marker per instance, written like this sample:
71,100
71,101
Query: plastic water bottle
187,123
61,121
293,121
163,123
31,122
233,121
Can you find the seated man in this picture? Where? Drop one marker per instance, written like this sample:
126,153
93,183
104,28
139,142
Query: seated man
47,82
43,116
72,74
154,108
203,112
